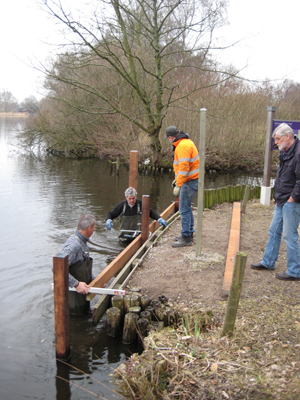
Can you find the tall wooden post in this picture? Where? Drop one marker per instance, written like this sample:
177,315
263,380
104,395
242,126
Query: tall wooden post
61,306
133,168
201,181
265,196
145,217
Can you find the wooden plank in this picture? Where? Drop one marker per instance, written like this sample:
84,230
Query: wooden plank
114,267
101,306
233,246
116,264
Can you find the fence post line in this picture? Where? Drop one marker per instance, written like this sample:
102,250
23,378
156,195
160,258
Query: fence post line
61,305
201,181
133,168
145,217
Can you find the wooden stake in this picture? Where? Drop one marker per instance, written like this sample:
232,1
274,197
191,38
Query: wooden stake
61,306
234,294
129,330
200,202
246,198
113,321
145,217
118,302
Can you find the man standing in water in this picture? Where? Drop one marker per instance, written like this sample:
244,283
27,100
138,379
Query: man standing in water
286,217
130,212
186,168
80,262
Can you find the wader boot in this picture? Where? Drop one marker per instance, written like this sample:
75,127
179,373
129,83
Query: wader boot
82,271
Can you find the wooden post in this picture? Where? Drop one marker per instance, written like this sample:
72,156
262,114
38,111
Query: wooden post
61,305
129,329
133,168
246,198
113,321
234,293
201,181
265,197
118,302
145,217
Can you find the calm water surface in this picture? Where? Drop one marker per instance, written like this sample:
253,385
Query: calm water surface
41,200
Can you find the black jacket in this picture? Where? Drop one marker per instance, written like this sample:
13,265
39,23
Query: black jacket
288,176
129,211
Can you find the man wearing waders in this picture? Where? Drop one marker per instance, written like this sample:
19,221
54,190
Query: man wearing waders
130,212
80,262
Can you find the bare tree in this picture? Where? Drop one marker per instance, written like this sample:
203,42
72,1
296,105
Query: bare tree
153,47
8,103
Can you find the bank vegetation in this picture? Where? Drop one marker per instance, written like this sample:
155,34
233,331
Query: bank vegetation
131,72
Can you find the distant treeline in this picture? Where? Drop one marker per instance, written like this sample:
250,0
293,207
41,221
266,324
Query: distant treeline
235,126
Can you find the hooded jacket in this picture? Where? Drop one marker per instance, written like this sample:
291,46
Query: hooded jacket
186,159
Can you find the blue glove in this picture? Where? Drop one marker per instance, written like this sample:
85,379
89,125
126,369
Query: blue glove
162,222
173,184
108,224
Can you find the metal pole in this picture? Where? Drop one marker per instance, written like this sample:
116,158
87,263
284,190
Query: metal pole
265,195
201,180
145,217
133,168
61,306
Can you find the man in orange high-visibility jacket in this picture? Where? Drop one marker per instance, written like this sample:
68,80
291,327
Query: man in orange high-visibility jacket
186,168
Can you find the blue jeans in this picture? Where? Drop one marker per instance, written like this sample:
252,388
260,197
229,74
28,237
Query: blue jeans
286,220
187,193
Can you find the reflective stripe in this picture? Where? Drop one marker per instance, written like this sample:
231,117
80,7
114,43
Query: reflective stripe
195,158
195,171
188,173
184,159
175,162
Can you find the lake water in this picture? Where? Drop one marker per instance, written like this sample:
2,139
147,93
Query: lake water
41,199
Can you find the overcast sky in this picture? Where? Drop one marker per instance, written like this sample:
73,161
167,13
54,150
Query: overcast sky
268,32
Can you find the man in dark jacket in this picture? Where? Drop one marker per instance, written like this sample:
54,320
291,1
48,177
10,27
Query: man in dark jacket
130,212
286,217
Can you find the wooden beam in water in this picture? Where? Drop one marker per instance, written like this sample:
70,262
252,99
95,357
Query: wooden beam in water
233,246
125,259
114,267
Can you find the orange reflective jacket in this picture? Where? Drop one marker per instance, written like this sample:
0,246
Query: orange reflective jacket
186,161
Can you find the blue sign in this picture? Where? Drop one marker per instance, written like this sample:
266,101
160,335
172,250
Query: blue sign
295,125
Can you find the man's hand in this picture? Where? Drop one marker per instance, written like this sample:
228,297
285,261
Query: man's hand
173,184
82,288
108,224
291,200
176,191
161,222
